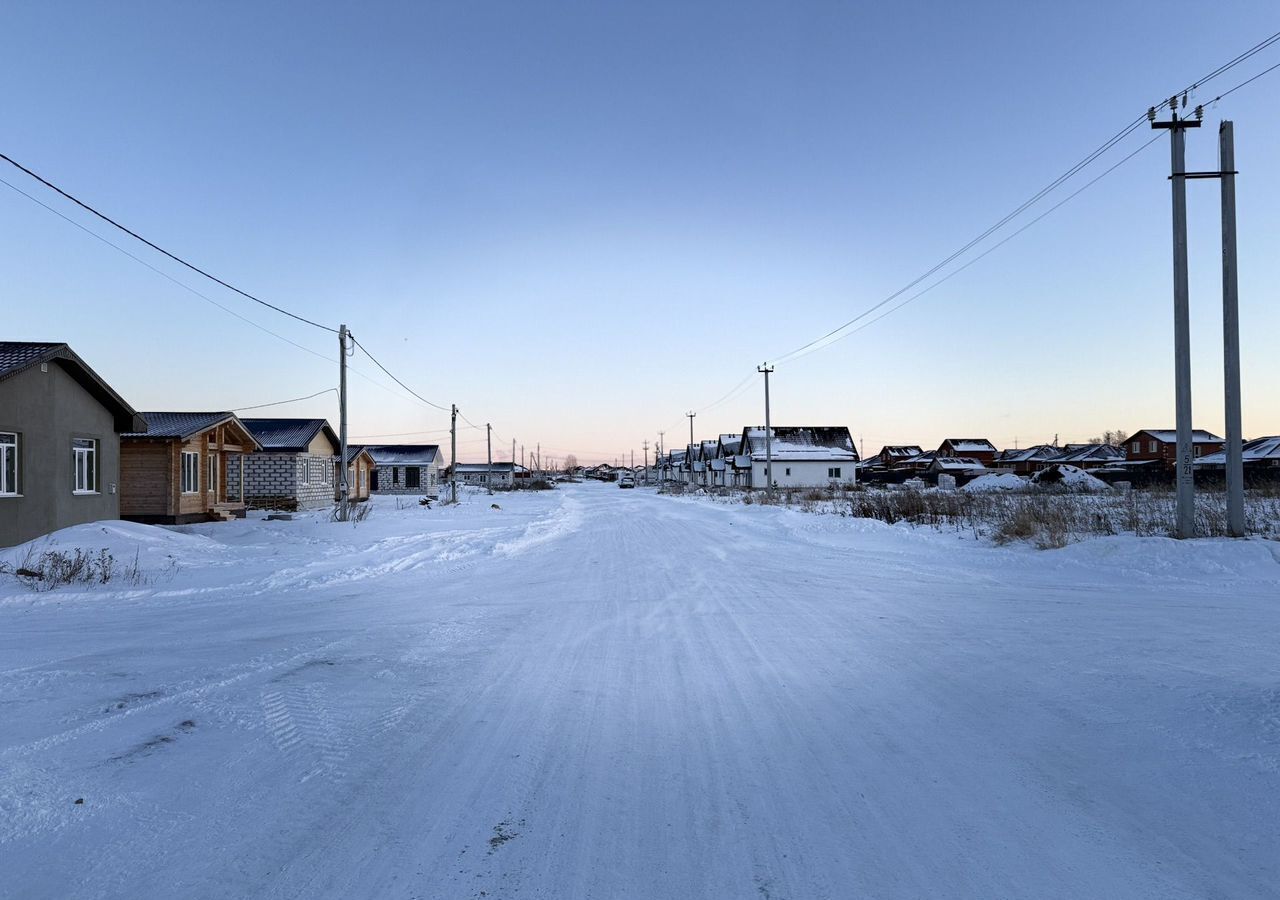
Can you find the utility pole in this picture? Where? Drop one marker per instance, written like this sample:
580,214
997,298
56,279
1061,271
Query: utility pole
768,427
343,487
513,462
539,459
688,454
1185,525
1231,332
488,441
453,453
657,458
645,445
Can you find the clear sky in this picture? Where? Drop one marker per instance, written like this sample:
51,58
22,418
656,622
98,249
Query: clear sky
580,220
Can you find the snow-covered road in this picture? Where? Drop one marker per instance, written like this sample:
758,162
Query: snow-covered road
611,694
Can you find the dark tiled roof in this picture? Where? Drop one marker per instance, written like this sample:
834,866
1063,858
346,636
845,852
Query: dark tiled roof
403,454
288,435
18,356
179,424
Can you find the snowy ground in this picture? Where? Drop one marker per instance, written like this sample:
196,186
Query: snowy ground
611,694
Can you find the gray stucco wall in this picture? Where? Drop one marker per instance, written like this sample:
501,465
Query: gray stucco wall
47,410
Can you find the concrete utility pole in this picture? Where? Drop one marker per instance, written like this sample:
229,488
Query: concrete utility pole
768,427
488,441
343,487
688,454
645,445
1185,524
1231,332
539,459
513,462
453,453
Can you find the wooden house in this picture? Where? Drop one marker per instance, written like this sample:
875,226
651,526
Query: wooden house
1027,460
359,474
176,471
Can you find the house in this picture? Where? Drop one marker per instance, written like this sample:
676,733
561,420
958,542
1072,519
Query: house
803,456
980,449
737,467
893,455
498,474
60,427
1026,461
1089,456
359,474
1261,460
707,452
297,468
176,472
405,469
963,468
1160,445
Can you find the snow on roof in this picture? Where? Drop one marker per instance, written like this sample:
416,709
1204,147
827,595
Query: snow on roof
1170,435
797,443
963,463
970,445
1038,451
1256,450
1081,452
498,467
900,451
403,454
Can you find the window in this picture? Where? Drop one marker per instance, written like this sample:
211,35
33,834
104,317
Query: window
327,471
363,473
788,470
1137,446
833,472
190,471
412,477
395,475
84,458
302,472
8,463
1196,449
213,473
1152,447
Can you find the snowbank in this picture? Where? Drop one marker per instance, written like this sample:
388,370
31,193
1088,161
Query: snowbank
1070,477
996,481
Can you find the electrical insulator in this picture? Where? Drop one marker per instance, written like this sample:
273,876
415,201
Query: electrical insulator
1151,113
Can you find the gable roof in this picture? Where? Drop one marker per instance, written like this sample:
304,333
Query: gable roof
969,445
1027,454
1256,450
18,356
1080,453
801,442
354,451
1170,435
289,435
182,426
403,454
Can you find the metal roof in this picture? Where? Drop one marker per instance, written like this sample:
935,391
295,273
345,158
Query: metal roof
288,435
184,425
18,356
403,454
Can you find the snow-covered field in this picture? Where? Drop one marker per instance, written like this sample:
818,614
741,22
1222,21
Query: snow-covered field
611,694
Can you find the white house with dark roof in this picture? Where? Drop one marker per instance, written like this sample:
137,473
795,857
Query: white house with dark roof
803,456
405,469
60,427
296,469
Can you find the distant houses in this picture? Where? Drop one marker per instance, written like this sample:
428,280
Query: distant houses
493,475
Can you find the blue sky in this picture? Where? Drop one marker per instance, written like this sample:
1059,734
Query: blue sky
580,220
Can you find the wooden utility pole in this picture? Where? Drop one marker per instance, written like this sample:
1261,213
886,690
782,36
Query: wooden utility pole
453,453
343,487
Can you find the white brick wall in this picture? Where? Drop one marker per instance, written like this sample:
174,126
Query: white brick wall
283,480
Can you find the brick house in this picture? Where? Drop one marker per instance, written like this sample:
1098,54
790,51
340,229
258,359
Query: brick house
980,449
296,469
405,469
1161,445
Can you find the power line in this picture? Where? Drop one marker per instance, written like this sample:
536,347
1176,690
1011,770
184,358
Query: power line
283,402
173,256
395,379
1047,189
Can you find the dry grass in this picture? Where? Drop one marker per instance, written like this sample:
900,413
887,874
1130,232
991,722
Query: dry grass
47,569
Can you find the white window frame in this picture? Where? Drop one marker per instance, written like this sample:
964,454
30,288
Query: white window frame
1153,446
9,443
1137,446
833,471
304,473
189,472
211,470
84,466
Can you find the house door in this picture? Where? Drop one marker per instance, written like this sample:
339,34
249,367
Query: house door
373,480
412,477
